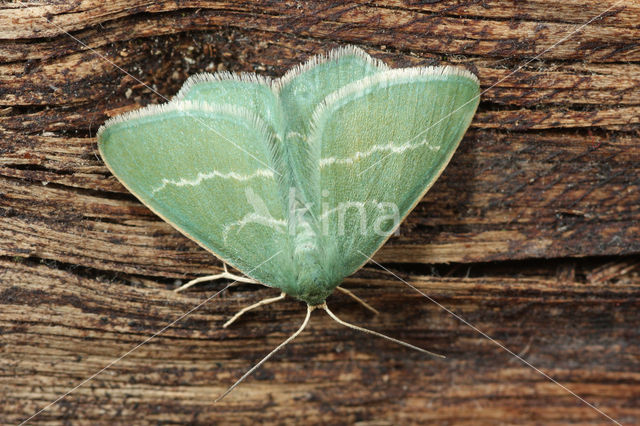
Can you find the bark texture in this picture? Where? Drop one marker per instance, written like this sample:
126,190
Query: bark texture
532,234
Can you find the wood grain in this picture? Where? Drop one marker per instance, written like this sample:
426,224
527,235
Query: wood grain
60,327
532,234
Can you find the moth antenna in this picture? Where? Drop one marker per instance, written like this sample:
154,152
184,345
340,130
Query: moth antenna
255,305
375,333
357,299
263,360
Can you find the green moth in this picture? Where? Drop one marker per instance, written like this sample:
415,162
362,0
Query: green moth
295,181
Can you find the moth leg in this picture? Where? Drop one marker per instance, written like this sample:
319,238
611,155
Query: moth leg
255,305
223,275
375,333
270,354
357,299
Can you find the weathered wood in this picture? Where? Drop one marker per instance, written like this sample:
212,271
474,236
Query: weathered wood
549,169
505,196
60,326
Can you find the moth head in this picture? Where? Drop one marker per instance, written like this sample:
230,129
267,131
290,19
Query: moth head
314,284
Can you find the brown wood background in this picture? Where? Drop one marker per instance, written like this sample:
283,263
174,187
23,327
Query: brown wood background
532,234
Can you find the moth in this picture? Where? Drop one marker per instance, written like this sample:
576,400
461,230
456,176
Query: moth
297,181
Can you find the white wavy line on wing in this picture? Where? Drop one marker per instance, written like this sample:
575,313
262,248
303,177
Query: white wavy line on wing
253,218
391,147
210,175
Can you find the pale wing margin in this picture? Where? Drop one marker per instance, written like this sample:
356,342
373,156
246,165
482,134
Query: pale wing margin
384,140
250,91
301,90
213,172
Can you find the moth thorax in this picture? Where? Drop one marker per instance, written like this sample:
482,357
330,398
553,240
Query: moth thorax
305,239
312,281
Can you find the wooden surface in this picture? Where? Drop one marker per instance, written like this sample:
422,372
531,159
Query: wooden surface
532,234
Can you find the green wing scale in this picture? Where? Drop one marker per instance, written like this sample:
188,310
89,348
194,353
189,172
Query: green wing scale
199,166
402,128
296,182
